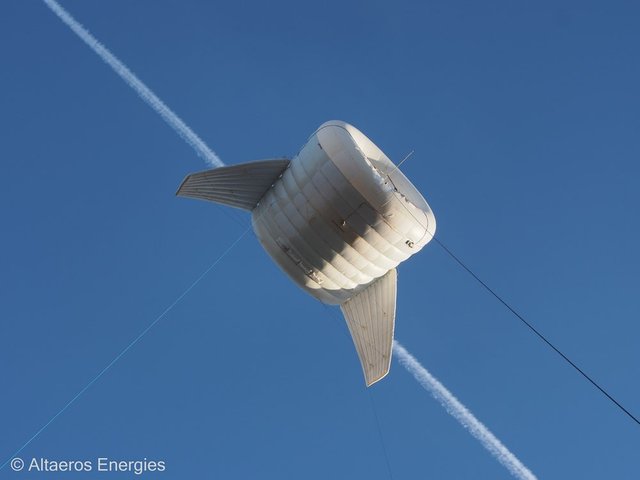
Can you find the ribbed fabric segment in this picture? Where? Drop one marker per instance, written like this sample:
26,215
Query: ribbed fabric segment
370,316
240,186
323,231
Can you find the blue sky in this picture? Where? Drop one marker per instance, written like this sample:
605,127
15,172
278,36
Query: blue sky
524,118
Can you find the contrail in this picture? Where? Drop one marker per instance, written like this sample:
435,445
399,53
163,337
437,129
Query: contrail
458,411
421,374
134,82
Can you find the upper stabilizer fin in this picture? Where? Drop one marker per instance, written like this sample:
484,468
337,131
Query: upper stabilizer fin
241,185
370,316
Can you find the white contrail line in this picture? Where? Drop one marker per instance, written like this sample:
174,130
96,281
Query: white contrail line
458,411
134,82
451,404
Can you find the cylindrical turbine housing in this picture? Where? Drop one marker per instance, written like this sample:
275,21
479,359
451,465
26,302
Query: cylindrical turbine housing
341,215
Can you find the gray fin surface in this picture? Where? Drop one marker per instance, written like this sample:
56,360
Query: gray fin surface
240,186
370,316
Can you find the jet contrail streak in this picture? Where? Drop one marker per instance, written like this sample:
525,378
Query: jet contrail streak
458,411
451,404
134,82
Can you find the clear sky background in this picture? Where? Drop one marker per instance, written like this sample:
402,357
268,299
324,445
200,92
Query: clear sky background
524,118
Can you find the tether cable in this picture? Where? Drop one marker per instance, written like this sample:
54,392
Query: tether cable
535,330
374,410
128,347
384,447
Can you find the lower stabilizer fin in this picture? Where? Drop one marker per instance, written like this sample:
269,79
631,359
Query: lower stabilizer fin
370,316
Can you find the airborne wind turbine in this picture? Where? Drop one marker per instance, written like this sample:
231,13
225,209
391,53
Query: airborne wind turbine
338,219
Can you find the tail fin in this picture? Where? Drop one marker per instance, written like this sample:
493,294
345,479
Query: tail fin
370,316
239,186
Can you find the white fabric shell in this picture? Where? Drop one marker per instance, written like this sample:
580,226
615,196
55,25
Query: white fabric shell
341,215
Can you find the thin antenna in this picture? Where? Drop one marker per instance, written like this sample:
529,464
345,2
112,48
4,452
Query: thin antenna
403,160
396,168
